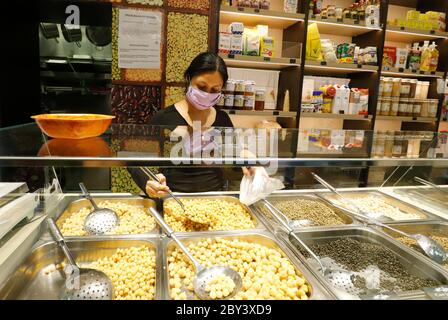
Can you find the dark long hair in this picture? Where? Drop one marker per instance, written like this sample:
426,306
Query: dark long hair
206,62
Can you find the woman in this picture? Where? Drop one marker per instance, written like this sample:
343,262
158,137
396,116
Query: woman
205,77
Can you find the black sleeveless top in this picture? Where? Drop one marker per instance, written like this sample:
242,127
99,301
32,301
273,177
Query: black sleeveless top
184,179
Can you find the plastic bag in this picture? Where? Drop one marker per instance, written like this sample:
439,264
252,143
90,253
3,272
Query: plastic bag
258,187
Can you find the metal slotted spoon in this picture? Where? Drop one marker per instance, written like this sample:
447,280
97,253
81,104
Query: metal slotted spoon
153,176
371,215
100,220
430,184
430,247
338,278
203,274
81,284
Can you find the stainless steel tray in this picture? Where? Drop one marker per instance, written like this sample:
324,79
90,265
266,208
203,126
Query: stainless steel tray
271,221
427,196
72,206
402,206
261,237
256,221
413,262
428,229
31,281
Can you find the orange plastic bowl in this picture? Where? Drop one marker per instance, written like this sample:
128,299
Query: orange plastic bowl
73,126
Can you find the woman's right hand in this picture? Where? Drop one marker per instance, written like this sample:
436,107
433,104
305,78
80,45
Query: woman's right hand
155,189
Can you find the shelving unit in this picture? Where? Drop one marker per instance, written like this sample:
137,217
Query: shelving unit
411,73
396,34
340,27
406,119
241,61
336,116
322,67
264,113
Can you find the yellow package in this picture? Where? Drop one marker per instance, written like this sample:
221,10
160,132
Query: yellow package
413,15
313,46
267,47
423,17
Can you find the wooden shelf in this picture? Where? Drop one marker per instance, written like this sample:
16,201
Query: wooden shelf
405,119
265,113
240,61
336,116
409,73
252,17
337,68
344,27
397,34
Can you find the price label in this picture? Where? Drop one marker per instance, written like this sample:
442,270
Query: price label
359,66
432,32
400,70
257,10
241,9
323,63
292,60
439,293
276,113
231,56
267,59
356,22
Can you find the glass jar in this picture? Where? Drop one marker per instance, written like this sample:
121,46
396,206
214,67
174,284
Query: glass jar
405,89
381,144
433,106
398,144
229,100
410,108
404,145
387,87
385,106
249,103
426,143
230,87
396,85
413,90
395,104
417,108
249,88
331,11
221,102
338,12
424,90
424,112
374,144
239,87
381,88
403,107
260,98
378,105
389,145
238,103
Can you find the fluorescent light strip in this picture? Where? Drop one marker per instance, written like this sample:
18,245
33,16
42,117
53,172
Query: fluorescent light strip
339,68
433,36
345,25
261,15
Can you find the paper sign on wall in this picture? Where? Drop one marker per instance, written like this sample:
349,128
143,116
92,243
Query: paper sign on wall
139,39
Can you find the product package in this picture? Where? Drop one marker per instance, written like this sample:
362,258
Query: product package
346,53
328,52
224,42
267,47
291,6
236,28
251,42
369,56
373,16
236,44
389,57
402,58
313,45
415,57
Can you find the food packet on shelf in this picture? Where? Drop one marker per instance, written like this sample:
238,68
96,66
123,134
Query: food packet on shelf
328,52
251,42
258,187
313,45
267,47
370,56
389,57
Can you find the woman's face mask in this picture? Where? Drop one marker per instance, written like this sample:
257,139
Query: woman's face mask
202,100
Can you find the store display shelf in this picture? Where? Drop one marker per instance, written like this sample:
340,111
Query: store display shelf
411,73
401,34
265,113
341,27
252,17
406,119
336,116
255,62
322,67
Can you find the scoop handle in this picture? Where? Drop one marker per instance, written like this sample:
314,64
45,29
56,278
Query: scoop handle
59,238
87,195
170,233
430,184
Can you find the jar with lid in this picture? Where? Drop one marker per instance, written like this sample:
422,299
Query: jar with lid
221,102
381,144
238,103
405,89
230,87
229,100
403,107
418,91
413,90
249,103
404,144
338,12
374,144
387,87
331,11
425,108
394,105
433,106
398,144
378,105
249,88
346,13
260,98
417,108
381,88
385,106
396,85
424,90
239,87
410,108
389,145
426,143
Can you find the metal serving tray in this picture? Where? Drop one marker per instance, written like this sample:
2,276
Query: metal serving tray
31,281
71,206
413,262
261,237
403,206
428,197
257,222
428,229
271,221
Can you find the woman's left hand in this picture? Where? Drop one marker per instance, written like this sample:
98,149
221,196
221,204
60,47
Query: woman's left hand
249,171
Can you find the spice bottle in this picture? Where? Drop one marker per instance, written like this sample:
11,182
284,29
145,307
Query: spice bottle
260,100
389,144
398,143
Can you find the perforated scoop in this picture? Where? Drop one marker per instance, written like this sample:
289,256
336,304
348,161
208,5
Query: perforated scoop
81,284
203,274
101,220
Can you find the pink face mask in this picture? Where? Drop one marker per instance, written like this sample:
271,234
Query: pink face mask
202,100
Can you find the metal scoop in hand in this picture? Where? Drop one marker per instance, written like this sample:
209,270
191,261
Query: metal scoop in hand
82,284
100,220
203,274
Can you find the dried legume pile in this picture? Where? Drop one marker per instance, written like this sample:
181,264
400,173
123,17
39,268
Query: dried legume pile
266,272
413,244
132,272
377,205
192,4
133,220
222,215
356,256
173,95
303,209
116,72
